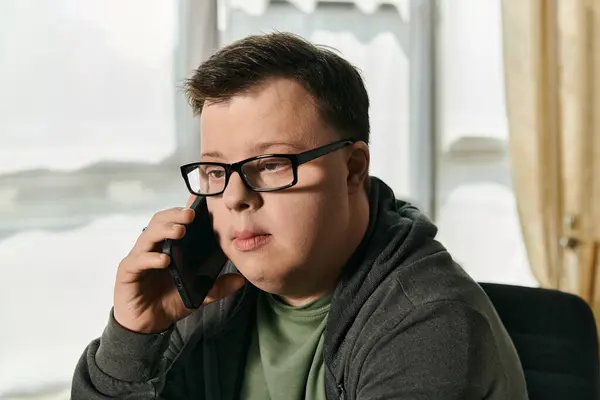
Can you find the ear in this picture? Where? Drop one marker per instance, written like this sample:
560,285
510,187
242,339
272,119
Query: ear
358,166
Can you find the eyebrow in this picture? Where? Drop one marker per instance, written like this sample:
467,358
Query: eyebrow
260,148
215,154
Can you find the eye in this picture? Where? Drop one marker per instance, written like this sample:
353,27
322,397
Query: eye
214,172
271,166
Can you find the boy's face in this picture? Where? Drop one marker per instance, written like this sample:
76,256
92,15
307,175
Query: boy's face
278,240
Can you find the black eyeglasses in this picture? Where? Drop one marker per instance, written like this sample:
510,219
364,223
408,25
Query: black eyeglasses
265,173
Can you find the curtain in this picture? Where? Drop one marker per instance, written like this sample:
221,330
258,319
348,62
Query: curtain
257,7
552,65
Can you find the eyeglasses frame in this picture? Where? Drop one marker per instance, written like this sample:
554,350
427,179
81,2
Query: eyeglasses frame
295,159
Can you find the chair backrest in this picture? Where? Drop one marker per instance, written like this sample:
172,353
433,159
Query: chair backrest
556,339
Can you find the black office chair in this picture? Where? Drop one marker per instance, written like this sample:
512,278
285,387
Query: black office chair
556,338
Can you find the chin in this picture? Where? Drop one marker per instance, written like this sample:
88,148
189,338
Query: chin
269,274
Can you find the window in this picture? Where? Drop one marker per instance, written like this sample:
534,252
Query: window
381,32
93,129
89,150
476,209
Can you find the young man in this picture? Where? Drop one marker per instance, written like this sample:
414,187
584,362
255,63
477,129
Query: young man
339,291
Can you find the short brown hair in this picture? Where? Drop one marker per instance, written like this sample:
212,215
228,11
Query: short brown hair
336,85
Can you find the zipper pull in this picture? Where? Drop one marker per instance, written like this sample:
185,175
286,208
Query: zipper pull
341,392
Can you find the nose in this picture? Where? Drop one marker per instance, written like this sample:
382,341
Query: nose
238,197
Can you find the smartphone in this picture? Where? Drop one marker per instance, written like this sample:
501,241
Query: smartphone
196,259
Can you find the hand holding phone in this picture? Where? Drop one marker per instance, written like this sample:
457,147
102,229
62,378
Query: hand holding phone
196,259
146,300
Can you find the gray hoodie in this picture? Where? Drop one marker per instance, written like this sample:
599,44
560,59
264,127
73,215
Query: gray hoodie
406,322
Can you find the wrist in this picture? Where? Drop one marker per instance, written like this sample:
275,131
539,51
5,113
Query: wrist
130,356
143,327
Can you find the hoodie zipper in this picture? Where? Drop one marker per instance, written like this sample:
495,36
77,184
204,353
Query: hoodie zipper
341,392
211,375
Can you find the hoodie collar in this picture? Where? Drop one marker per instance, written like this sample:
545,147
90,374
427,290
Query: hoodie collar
395,230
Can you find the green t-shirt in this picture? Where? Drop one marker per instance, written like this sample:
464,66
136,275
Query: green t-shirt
285,358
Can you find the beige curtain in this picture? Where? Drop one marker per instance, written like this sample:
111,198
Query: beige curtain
552,66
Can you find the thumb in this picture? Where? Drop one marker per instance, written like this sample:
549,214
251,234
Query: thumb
225,285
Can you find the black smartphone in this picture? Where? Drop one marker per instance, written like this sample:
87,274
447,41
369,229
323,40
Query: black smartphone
197,258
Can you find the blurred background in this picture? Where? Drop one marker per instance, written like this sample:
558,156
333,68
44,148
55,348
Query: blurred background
482,115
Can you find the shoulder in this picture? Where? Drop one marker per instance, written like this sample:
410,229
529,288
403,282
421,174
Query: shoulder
429,284
431,318
426,287
452,305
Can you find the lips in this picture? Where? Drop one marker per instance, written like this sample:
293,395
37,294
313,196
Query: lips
248,240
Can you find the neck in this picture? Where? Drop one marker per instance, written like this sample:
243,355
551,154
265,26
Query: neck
303,296
300,301
359,221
